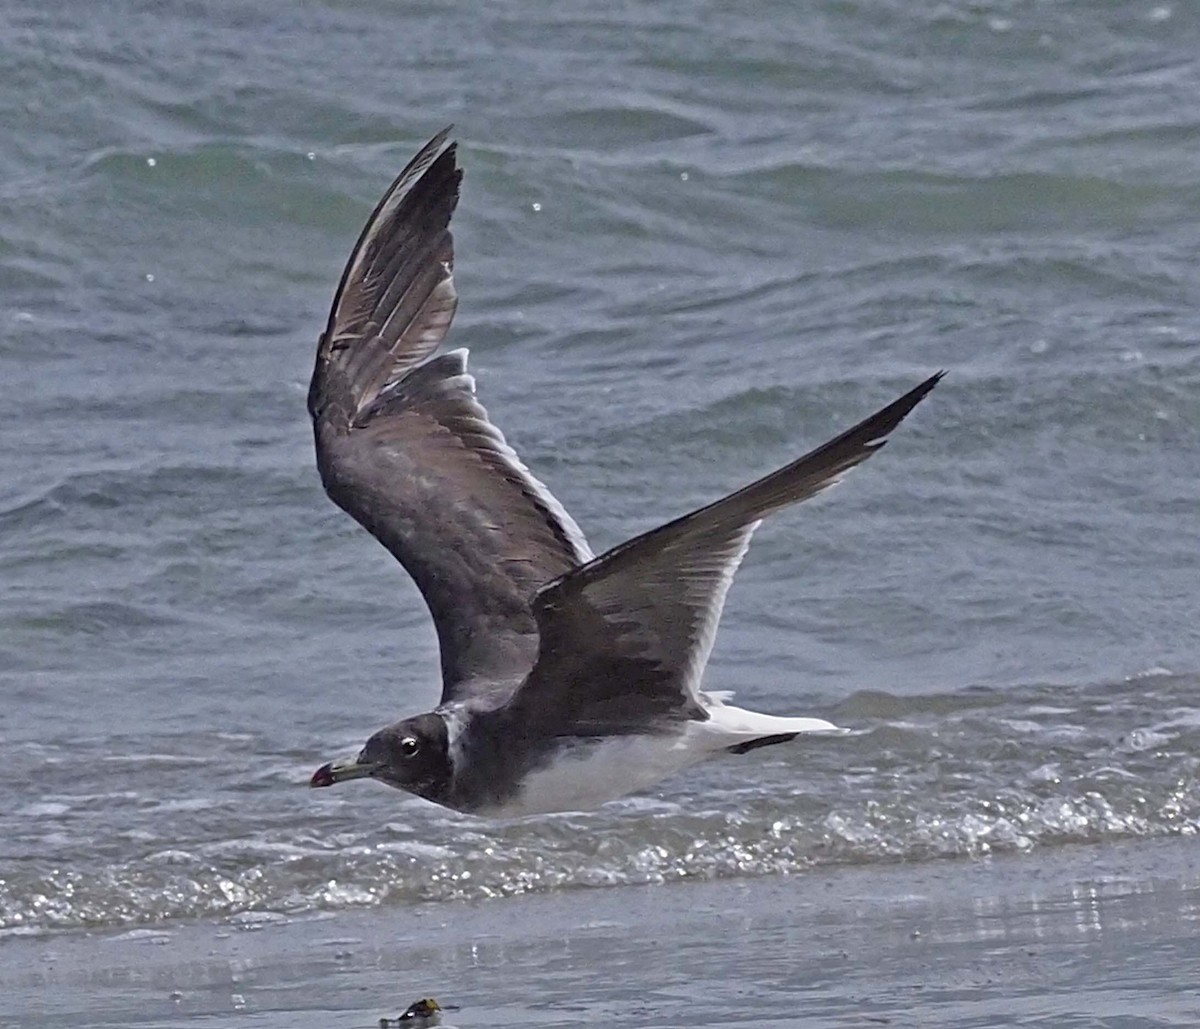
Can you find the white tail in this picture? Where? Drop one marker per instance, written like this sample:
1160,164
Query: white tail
731,726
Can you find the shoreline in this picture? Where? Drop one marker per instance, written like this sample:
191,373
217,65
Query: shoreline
1079,931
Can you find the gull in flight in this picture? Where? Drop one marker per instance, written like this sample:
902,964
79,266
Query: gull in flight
568,679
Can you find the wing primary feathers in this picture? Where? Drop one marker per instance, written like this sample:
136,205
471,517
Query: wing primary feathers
405,447
632,630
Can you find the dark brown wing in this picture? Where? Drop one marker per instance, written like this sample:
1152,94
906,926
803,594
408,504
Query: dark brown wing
625,638
406,449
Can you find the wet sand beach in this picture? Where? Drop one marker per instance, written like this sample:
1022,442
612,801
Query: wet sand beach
1091,936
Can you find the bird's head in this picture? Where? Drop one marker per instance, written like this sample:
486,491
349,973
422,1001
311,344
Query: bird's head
411,755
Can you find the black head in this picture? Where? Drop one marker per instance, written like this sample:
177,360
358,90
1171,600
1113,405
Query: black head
412,755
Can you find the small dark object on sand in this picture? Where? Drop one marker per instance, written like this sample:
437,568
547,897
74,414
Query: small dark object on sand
418,1015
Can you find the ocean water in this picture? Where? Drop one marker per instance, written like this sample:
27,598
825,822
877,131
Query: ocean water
694,241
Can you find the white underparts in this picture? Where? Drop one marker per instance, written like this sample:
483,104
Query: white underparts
594,771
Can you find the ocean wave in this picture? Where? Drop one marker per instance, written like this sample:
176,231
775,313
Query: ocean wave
933,777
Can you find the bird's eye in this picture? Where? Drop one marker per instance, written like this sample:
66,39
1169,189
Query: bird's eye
409,746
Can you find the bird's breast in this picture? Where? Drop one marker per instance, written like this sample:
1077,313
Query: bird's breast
584,773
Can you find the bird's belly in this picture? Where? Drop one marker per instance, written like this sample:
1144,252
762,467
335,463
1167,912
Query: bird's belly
587,773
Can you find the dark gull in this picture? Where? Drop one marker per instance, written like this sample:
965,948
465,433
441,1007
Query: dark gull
567,679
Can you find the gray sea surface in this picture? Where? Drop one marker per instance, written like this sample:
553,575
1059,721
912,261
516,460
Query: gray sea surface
694,241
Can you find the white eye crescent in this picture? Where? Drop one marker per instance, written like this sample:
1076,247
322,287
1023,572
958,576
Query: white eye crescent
409,746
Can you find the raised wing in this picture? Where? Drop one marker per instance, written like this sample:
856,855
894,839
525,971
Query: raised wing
404,447
625,638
